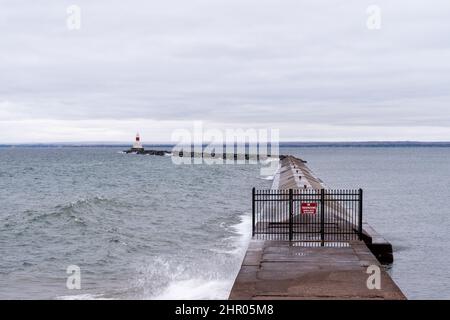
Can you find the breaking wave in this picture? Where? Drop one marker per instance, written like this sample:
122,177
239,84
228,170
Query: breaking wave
210,278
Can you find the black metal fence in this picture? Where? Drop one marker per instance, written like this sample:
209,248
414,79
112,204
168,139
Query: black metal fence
308,215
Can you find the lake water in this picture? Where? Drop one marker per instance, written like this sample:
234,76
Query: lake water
140,227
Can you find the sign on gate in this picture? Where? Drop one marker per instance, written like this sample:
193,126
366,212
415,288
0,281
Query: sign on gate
309,208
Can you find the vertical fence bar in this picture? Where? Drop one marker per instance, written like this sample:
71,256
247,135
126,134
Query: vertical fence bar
265,225
322,217
360,214
347,212
291,211
253,212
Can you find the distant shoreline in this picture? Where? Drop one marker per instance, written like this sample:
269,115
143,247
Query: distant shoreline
374,144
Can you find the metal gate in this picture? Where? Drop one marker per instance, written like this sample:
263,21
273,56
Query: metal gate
308,215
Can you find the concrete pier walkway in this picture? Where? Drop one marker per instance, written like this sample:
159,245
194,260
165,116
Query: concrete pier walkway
282,270
277,269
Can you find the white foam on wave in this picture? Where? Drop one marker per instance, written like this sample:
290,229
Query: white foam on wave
241,238
269,160
195,289
243,229
212,288
166,279
85,296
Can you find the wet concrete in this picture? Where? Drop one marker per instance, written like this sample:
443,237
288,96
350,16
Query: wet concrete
283,270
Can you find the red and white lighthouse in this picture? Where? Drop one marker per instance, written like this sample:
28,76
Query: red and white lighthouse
137,145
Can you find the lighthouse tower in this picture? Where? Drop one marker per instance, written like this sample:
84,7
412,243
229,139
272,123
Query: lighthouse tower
137,145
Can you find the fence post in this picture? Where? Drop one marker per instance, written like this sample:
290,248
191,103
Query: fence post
291,202
322,217
253,212
360,214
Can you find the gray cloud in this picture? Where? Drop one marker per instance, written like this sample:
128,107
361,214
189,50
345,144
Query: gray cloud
283,64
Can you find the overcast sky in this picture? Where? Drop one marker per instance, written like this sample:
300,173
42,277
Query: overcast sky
311,69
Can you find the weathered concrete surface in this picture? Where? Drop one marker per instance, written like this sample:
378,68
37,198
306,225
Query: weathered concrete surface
295,174
282,270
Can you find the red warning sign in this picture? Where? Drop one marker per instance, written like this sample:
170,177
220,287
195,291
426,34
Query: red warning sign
309,208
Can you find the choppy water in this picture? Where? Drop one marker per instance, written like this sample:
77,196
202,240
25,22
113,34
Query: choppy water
141,227
137,226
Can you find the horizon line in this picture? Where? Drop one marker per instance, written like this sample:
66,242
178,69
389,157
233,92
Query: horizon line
122,143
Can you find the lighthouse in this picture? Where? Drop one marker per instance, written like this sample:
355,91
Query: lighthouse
137,148
137,145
